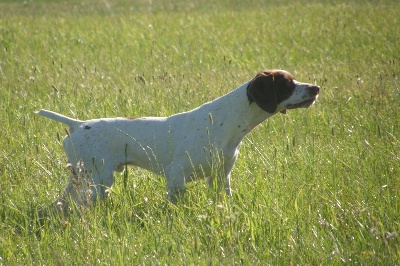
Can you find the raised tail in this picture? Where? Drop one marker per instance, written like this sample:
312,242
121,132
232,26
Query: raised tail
70,122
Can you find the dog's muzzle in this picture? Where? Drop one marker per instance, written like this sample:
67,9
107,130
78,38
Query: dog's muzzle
313,92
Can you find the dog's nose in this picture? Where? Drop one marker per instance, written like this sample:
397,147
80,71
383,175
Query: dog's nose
314,89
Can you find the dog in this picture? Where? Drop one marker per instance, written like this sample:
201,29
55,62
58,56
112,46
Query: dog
201,143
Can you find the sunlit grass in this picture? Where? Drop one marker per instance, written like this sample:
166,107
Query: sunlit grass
317,186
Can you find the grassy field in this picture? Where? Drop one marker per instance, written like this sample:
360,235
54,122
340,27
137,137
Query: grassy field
315,186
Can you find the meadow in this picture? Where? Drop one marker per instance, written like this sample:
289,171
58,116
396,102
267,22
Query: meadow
316,186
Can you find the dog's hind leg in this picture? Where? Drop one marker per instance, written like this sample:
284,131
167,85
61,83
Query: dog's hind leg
84,188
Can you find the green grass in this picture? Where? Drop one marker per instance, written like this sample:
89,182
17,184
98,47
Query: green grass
317,186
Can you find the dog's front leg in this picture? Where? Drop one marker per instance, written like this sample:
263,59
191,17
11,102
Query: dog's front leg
228,165
175,188
175,184
224,181
227,185
174,194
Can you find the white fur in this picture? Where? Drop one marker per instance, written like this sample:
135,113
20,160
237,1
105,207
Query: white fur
181,147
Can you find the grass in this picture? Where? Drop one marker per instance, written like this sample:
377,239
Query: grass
317,186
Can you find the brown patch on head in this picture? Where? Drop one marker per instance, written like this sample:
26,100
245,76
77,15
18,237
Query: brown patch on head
269,88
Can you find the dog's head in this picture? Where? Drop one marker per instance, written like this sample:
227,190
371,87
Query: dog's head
276,90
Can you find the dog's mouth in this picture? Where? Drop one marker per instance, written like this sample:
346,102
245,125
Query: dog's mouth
304,104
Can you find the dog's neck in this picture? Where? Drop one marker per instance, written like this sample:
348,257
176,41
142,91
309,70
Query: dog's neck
234,115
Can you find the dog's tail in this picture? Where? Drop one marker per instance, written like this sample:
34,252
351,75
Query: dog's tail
70,122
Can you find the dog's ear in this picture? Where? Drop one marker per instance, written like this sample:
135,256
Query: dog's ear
261,90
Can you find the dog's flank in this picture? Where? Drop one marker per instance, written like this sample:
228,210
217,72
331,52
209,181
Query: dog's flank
183,146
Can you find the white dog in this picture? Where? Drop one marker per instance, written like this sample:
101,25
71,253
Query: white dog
181,147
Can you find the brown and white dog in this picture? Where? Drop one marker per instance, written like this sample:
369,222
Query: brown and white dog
181,147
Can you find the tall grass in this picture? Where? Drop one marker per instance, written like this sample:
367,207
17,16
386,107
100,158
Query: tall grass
317,186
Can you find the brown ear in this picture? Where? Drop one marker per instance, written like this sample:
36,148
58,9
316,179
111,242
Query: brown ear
261,90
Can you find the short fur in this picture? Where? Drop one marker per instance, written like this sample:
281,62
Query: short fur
181,147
